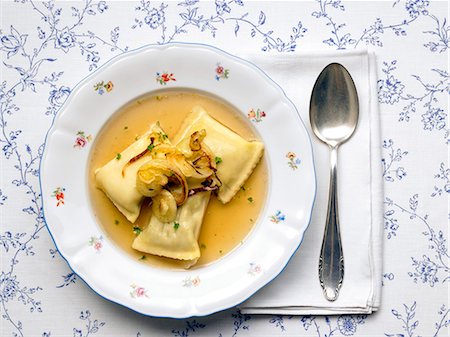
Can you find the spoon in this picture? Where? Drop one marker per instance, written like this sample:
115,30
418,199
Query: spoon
333,113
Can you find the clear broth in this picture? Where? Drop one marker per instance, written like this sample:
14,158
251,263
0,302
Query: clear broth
224,227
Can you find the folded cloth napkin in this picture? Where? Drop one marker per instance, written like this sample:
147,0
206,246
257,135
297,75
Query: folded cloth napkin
297,291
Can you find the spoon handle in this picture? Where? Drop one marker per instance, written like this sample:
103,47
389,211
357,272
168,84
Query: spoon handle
331,261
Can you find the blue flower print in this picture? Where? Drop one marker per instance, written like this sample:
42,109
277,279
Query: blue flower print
12,43
389,90
102,6
65,39
8,287
155,18
444,177
58,96
222,7
346,325
433,119
426,271
417,7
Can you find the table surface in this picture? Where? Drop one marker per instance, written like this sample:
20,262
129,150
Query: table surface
47,47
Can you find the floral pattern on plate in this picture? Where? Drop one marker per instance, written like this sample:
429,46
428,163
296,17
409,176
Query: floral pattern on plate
256,115
137,291
82,140
254,269
197,72
97,243
102,87
293,160
277,217
58,193
221,72
165,77
190,281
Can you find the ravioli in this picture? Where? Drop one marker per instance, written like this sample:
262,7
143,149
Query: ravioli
177,239
117,179
238,157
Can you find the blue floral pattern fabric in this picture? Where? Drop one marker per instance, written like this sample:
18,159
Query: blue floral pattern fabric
47,47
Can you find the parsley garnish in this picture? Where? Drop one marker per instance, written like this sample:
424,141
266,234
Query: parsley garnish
143,257
116,222
218,160
137,230
162,136
203,246
150,147
118,156
176,225
125,127
250,199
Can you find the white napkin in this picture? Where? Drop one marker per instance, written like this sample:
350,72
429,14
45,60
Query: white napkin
297,291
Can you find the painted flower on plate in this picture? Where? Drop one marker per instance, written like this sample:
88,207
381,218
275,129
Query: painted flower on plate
293,161
82,140
137,291
221,72
190,281
254,269
164,77
102,87
278,217
96,243
256,115
58,193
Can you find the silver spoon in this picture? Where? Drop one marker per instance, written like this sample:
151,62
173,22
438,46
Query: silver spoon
333,113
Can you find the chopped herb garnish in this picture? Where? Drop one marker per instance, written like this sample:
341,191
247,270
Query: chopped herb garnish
243,188
250,199
137,230
118,156
143,257
203,246
162,136
251,220
136,138
116,222
150,147
218,160
125,127
176,225
220,251
159,98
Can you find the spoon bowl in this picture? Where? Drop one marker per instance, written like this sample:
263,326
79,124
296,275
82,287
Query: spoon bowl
334,107
334,113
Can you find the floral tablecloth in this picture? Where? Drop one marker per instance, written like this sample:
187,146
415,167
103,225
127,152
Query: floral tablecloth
47,47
